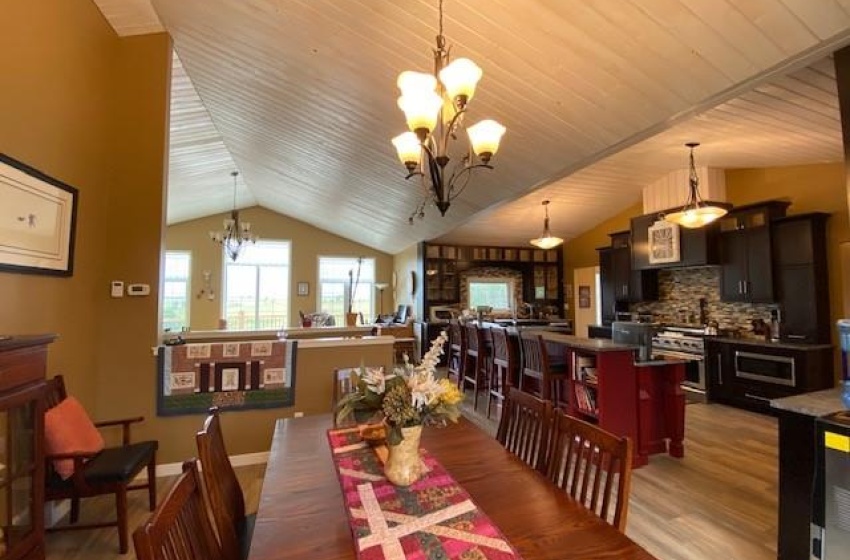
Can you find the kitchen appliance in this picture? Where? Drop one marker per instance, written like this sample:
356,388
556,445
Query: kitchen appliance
684,343
638,334
443,314
778,370
831,499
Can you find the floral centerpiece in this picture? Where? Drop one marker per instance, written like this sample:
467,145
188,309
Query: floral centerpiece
409,396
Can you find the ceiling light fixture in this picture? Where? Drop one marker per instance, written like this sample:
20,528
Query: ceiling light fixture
696,212
236,234
547,240
434,109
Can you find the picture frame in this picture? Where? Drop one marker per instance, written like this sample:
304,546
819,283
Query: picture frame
584,297
664,244
37,221
303,288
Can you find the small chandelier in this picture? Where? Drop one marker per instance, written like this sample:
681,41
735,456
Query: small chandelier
547,240
236,234
696,212
434,110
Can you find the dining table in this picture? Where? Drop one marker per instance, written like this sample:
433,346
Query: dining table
301,513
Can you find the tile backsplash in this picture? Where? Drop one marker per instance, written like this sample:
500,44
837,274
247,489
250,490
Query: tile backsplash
679,292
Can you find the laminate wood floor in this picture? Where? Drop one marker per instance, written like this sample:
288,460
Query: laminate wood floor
720,501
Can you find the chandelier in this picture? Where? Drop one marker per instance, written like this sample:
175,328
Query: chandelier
236,234
434,109
696,212
547,240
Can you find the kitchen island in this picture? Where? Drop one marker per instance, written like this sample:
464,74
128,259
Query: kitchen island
641,400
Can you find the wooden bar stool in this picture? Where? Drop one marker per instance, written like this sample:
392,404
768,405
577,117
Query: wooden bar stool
475,365
457,352
505,365
536,364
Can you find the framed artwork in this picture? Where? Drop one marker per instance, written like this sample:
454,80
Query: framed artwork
303,288
584,297
664,243
37,221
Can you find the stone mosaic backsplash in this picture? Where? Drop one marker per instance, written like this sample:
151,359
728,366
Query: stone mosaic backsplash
679,292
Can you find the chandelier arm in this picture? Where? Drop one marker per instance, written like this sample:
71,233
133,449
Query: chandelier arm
450,128
467,171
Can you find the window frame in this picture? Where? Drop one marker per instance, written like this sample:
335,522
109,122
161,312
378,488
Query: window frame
226,263
363,284
166,279
510,283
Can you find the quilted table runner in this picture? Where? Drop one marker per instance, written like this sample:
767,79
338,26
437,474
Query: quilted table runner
434,518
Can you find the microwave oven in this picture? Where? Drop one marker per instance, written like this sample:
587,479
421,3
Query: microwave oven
443,314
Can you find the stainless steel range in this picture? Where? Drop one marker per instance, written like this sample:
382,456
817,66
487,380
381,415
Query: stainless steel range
685,343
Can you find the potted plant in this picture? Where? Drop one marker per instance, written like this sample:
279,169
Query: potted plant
353,281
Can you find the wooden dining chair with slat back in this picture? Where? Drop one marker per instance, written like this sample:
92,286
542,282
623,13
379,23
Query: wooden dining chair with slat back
538,365
524,427
80,465
477,361
457,352
180,527
505,364
593,466
227,503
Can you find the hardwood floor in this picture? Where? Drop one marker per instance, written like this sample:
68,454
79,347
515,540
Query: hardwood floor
719,501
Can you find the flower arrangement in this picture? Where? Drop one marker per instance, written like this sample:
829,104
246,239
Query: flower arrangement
409,396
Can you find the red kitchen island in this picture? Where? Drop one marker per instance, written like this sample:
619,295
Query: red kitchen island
641,400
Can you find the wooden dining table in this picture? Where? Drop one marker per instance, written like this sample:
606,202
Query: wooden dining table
301,513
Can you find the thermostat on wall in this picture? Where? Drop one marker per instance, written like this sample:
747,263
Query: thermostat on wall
138,289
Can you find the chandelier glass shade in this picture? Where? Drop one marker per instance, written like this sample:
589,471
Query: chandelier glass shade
547,240
696,212
434,110
236,234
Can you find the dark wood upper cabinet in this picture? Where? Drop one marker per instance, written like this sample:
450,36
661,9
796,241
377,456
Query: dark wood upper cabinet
746,273
620,283
802,277
698,246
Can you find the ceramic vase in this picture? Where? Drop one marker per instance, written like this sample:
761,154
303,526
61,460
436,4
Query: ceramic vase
404,467
350,319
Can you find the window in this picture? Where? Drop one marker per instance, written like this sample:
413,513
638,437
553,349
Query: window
333,287
496,293
175,290
256,287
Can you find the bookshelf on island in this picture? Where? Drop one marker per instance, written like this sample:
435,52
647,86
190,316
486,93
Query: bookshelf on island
642,401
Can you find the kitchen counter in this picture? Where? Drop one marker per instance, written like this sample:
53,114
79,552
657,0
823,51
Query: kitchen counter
592,344
769,344
818,403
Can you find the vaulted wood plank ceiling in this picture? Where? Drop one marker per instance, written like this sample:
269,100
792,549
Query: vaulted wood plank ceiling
598,99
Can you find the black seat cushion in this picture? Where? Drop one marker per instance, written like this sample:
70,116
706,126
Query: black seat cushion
246,532
113,464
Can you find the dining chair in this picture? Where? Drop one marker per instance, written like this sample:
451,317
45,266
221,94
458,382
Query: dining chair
227,504
80,465
592,465
180,528
504,366
476,362
537,365
524,427
457,352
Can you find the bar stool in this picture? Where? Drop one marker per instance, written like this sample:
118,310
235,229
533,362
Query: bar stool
457,352
536,364
505,365
475,365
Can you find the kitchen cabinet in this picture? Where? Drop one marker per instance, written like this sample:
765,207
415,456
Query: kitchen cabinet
619,283
22,380
801,277
697,247
746,273
749,373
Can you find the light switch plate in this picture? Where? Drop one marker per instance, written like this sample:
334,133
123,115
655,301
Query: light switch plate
138,289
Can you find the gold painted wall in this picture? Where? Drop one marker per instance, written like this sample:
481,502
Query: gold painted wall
308,244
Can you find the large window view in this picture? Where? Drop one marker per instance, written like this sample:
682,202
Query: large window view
256,287
175,290
495,293
334,280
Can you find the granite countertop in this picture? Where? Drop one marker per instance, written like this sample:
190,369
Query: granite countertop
769,344
818,403
592,344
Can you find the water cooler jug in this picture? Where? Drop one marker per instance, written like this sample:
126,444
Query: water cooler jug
832,487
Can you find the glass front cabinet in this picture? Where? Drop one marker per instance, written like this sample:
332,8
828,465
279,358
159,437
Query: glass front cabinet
22,371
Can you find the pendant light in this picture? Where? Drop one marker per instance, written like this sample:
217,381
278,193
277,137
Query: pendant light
696,212
547,240
236,234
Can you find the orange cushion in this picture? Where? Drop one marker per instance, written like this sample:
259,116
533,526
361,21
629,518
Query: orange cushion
68,429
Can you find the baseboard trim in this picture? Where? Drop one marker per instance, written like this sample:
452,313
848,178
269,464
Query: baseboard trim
173,469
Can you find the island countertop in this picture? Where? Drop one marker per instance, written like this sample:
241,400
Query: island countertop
817,403
591,344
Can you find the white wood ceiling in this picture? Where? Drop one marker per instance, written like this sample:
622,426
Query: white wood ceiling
302,95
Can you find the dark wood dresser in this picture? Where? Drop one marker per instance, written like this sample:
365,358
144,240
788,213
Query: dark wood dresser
23,363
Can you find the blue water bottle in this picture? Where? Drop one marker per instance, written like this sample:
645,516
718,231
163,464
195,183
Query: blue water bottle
844,340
